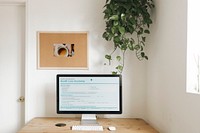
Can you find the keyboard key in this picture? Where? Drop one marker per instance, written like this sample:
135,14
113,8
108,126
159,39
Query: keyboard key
87,128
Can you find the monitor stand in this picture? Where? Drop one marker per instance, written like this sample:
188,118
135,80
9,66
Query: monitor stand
89,119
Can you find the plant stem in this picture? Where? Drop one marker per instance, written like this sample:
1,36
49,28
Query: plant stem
111,54
123,60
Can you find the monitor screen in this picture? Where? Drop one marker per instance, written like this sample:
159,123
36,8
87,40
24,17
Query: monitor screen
89,94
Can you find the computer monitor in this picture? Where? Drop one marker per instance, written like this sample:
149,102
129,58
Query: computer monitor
89,94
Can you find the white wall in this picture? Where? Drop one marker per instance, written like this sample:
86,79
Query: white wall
169,108
11,66
76,15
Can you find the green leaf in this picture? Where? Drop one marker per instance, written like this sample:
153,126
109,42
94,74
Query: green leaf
118,58
108,57
130,29
122,30
114,17
124,47
116,39
116,45
132,20
147,31
116,23
111,36
149,21
141,48
142,54
114,72
143,39
113,30
107,36
123,17
137,47
142,43
146,57
119,68
130,46
140,31
104,35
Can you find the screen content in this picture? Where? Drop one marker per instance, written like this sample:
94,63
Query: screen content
89,94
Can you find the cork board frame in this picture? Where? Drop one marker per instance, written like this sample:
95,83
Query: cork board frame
62,50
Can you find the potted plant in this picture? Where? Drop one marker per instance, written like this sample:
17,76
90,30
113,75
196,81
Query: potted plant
127,23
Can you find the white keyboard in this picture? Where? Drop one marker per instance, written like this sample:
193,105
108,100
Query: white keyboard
87,128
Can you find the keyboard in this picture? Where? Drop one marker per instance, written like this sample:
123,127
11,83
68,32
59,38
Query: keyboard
87,128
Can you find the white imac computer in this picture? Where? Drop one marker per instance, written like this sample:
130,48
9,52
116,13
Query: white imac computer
89,94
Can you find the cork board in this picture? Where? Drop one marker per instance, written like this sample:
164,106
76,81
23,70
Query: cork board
62,50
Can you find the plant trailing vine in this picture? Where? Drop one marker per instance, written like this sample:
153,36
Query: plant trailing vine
127,23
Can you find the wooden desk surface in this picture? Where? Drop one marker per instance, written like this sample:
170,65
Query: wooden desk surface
123,125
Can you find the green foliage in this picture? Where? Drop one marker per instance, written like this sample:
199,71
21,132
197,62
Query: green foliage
124,18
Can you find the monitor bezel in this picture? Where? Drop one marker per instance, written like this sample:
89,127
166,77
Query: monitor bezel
89,112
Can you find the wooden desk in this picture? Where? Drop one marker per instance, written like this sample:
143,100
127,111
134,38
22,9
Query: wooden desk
123,125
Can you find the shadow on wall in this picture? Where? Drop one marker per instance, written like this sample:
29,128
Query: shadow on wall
50,100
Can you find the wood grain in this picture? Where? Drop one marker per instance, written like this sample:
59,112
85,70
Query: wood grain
123,125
